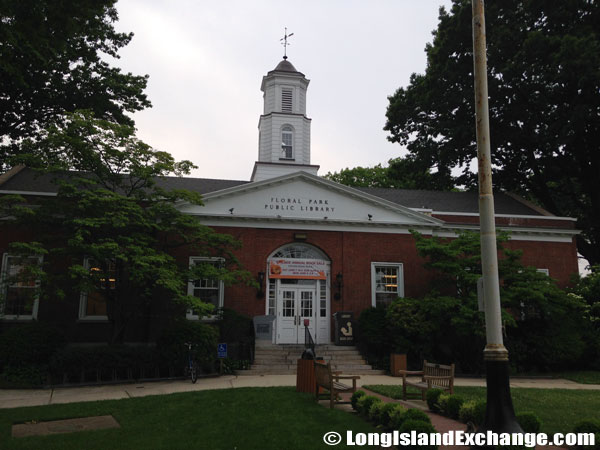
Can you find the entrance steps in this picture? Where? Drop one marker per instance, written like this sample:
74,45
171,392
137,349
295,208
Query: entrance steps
282,359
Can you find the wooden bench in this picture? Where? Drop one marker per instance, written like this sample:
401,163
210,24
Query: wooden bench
433,376
329,380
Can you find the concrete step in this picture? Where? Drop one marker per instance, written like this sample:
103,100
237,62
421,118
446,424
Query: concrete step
292,358
350,367
271,367
262,372
339,354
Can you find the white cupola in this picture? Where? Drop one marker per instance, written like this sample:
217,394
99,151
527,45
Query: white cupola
283,128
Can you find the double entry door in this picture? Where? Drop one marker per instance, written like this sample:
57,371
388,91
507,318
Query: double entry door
297,305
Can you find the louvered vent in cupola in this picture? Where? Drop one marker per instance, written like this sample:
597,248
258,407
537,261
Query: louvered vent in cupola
286,100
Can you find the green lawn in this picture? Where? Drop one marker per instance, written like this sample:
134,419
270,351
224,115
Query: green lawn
581,376
244,418
558,409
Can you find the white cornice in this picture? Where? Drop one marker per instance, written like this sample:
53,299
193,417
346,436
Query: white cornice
514,216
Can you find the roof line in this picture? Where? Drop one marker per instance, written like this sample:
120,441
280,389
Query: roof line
11,173
529,204
516,216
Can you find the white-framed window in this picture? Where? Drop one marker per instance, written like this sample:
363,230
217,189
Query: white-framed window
287,142
545,271
287,104
19,292
272,296
209,290
387,283
93,304
322,298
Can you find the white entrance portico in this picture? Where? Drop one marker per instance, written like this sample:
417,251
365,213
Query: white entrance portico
298,293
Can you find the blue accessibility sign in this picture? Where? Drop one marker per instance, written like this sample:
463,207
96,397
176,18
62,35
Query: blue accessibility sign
222,350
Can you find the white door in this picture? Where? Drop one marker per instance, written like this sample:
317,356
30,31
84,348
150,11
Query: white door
295,305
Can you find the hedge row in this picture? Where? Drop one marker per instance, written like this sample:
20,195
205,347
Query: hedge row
35,354
392,416
473,411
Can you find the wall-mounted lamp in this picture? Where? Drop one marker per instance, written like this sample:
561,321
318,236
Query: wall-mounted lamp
261,281
338,282
370,216
231,211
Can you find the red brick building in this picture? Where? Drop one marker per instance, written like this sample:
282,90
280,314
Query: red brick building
316,247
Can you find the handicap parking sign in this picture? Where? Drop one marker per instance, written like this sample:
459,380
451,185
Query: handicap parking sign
222,350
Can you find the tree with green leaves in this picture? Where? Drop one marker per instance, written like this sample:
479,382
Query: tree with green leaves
53,61
112,211
544,325
401,173
544,88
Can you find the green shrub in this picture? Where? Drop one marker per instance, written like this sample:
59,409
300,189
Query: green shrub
397,419
22,377
387,411
472,411
432,397
420,427
376,412
417,414
73,361
397,416
443,403
453,405
235,327
364,404
589,426
25,352
173,351
355,397
29,344
529,422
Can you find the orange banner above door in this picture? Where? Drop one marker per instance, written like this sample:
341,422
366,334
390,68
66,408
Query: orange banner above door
298,269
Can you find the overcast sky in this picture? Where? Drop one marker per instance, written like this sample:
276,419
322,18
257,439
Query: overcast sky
206,60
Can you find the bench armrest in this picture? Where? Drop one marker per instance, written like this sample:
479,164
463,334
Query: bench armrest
347,377
410,372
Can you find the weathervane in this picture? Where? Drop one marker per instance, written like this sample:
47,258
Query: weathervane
285,43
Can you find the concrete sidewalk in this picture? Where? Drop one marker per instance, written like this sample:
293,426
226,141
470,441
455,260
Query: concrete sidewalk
13,398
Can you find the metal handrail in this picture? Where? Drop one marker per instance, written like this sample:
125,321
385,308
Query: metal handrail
309,343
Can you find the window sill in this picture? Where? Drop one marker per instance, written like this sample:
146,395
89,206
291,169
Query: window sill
17,318
287,159
93,320
203,319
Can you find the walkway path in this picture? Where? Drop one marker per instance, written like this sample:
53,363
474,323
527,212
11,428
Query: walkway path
12,398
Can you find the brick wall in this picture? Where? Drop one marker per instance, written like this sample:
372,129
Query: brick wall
351,254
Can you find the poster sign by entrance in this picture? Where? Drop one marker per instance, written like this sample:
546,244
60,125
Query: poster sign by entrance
299,269
222,350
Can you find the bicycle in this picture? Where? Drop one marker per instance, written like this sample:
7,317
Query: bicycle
192,367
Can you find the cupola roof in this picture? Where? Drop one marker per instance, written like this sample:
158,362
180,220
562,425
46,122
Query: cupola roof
285,66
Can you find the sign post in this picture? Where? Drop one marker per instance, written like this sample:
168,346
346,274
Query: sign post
221,354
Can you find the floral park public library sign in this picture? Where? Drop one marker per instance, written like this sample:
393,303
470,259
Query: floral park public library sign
316,205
